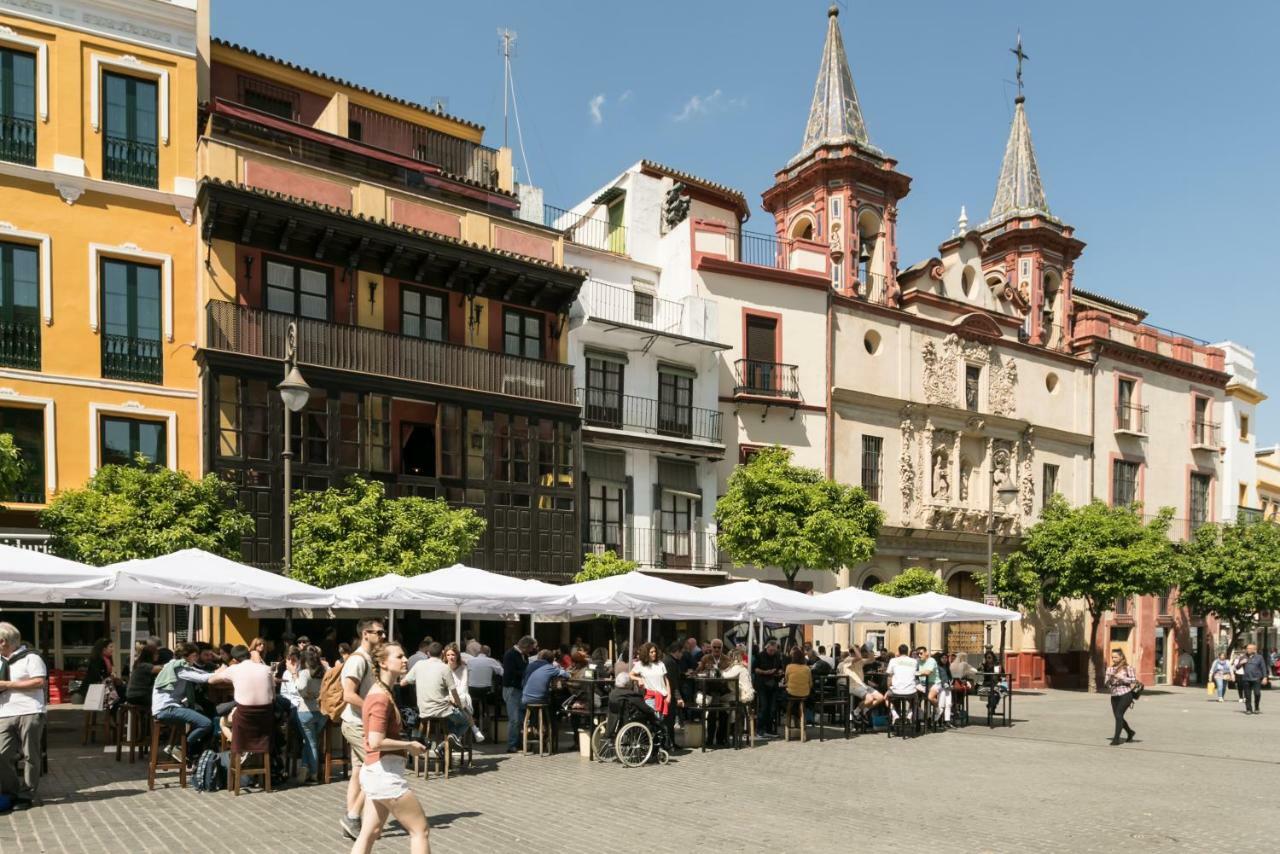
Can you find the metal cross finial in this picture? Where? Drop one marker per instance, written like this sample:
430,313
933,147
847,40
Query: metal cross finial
1022,56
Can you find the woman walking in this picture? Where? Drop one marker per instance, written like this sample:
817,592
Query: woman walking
1220,673
385,790
1121,679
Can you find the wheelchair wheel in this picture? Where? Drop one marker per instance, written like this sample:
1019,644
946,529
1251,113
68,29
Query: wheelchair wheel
634,744
663,756
602,746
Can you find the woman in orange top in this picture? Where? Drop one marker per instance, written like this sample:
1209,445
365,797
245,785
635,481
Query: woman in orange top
382,775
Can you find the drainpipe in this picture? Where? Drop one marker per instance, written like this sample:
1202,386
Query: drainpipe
829,382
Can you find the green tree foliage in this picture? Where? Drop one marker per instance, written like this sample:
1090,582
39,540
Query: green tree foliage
778,514
1232,572
1099,554
1016,585
353,532
910,582
142,511
603,565
12,467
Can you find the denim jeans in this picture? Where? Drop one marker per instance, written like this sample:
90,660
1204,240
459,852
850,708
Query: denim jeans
311,725
515,715
456,721
1222,685
201,726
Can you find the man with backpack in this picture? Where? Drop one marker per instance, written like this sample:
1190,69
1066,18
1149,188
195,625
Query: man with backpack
357,677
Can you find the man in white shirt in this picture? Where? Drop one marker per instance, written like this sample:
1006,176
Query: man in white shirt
902,677
481,669
22,678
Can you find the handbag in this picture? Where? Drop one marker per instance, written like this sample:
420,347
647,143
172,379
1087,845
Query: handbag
1209,689
1137,690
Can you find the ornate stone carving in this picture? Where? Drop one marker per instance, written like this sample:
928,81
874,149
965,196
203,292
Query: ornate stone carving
906,463
966,475
1002,392
1026,480
942,517
939,374
943,444
942,372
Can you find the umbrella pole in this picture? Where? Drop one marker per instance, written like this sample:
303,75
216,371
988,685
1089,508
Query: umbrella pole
631,640
133,647
391,624
457,626
751,642
649,635
191,620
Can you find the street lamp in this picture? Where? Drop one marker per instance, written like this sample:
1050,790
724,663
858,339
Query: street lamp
1001,486
294,392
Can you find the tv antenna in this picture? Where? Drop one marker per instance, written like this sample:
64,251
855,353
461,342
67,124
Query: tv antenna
508,39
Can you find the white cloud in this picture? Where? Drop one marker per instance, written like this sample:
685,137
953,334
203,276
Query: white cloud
702,105
594,106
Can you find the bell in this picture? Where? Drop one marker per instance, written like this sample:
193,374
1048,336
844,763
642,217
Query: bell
864,253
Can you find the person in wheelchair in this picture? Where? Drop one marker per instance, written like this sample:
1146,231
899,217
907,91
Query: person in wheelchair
626,703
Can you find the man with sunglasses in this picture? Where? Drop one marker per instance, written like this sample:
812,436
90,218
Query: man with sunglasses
357,677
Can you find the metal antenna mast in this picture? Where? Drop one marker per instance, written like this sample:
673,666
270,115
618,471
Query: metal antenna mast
508,42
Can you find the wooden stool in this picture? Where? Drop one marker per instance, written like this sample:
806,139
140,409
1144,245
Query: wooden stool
430,729
133,730
168,734
331,731
91,721
747,720
541,709
792,703
238,772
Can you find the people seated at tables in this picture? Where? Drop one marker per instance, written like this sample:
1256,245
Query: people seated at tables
438,694
22,716
600,658
101,671
902,677
768,667
993,683
142,677
420,655
253,688
829,659
927,678
864,697
626,692
712,661
818,664
257,651
514,664
944,686
483,674
797,678
462,687
170,697
738,670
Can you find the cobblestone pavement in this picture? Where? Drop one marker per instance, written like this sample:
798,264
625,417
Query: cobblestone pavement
1049,783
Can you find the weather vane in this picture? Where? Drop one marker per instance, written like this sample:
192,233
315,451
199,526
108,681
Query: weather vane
1022,56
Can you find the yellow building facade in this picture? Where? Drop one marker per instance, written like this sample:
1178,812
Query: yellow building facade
97,249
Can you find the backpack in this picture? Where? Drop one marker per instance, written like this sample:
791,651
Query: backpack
210,774
331,702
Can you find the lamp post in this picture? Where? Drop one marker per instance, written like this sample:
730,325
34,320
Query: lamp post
295,393
1001,485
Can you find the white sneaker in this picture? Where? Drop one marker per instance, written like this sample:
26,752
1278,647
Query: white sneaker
1220,700
479,736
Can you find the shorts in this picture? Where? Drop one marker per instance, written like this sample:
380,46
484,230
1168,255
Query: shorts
354,736
859,692
381,781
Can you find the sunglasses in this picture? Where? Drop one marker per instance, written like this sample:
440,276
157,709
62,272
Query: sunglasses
380,632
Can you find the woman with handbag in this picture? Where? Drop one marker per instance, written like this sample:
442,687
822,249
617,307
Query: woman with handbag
1124,686
1220,674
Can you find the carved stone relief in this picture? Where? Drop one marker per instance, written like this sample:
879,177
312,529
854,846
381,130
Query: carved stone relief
1001,395
966,475
1026,480
942,373
906,463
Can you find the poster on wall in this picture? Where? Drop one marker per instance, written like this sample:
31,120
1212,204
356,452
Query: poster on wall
1051,642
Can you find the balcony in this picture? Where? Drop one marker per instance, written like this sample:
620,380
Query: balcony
1131,419
653,548
130,161
608,409
255,332
456,156
753,378
692,317
1205,435
18,140
20,344
1248,515
1099,325
135,359
584,230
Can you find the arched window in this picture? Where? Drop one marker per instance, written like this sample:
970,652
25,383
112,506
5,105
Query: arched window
802,227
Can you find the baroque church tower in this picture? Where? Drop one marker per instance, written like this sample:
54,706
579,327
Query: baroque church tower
1029,253
839,190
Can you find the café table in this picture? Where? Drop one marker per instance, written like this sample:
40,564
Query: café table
721,695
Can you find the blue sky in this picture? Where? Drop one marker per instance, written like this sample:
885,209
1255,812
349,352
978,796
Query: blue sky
1155,123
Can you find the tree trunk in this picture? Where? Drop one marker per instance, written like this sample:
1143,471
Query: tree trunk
1096,619
791,577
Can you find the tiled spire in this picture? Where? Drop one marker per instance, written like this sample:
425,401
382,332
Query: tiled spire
835,118
1019,191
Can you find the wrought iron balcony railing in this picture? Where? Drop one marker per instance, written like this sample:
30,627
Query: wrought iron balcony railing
1205,434
766,379
1131,418
605,408
654,547
592,232
137,359
20,344
130,161
256,332
460,157
18,140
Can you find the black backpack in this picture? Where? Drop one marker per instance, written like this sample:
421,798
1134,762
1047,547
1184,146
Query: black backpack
210,774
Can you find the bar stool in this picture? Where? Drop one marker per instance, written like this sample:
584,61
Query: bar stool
167,735
434,730
133,730
238,772
792,704
91,722
542,712
332,732
907,708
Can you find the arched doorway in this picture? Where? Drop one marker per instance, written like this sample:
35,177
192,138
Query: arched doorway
964,637
870,581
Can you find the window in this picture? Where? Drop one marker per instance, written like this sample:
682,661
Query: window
675,403
131,308
19,306
1244,427
837,208
423,314
1203,431
17,107
511,441
837,274
677,528
604,391
1199,510
605,505
268,98
761,371
1124,483
1243,495
297,290
872,455
642,307
972,386
617,231
378,408
1050,483
417,449
522,334
1121,608
130,151
310,429
121,440
1162,602
355,130
351,431
26,426
450,431
242,418
1127,416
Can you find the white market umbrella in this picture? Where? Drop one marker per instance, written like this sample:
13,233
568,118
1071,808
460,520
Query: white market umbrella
635,594
951,609
196,577
27,575
865,605
380,593
753,599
